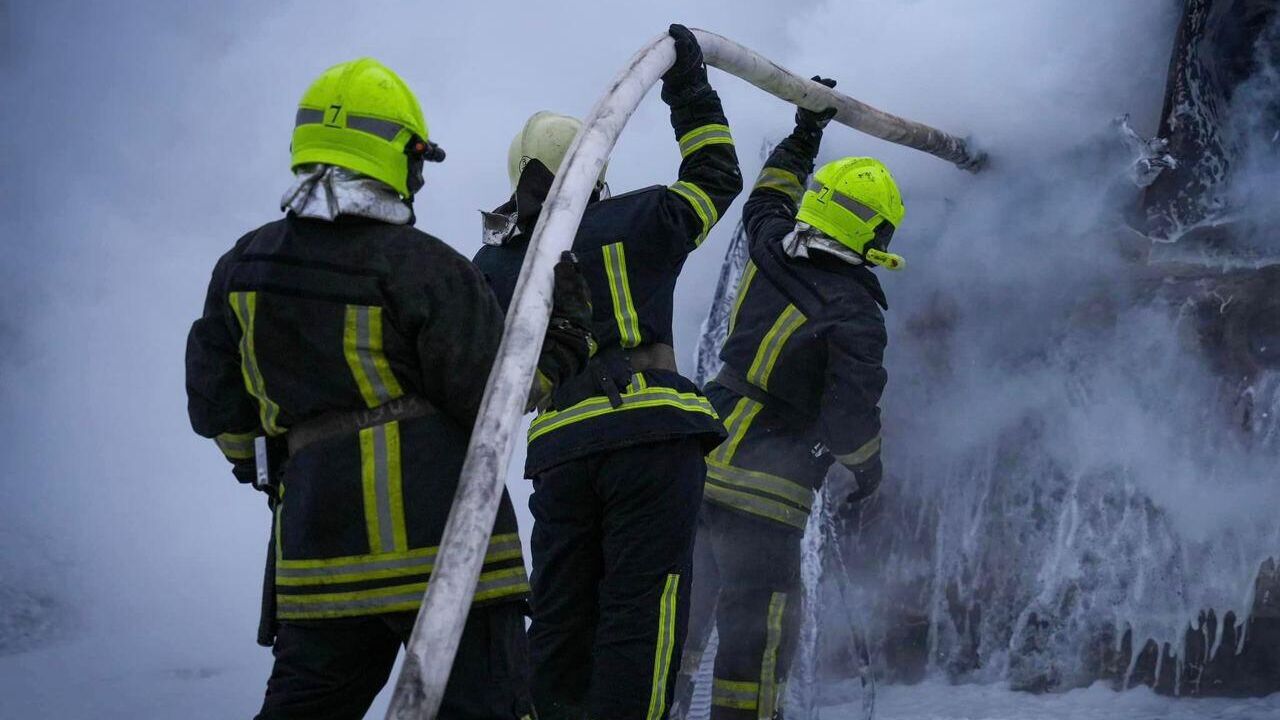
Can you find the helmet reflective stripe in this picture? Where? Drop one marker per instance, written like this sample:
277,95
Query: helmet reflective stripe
384,129
864,213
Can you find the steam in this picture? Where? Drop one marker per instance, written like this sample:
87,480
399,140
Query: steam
1061,457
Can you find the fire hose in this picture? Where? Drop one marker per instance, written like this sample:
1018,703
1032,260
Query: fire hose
436,635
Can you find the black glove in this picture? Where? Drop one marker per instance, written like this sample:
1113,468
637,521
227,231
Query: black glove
569,343
687,77
813,122
868,478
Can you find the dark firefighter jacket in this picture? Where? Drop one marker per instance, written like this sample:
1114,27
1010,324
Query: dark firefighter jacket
306,317
803,369
631,248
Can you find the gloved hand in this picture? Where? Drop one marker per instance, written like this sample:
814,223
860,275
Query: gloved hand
568,344
687,77
868,478
813,122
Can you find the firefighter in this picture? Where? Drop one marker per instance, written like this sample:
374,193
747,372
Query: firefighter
617,457
799,391
360,344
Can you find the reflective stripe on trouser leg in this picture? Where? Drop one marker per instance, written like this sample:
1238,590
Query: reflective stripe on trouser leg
735,694
383,489
769,685
665,647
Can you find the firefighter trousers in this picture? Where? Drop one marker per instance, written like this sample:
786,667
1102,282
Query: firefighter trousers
612,554
333,669
746,584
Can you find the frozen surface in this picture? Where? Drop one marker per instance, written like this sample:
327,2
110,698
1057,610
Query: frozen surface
939,701
134,687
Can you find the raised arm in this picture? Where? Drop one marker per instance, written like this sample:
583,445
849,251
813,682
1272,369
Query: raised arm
776,194
709,178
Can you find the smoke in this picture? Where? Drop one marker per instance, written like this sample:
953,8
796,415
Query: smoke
1065,456
144,139
141,141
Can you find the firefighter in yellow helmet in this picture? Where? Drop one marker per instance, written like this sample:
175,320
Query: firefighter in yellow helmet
799,391
353,349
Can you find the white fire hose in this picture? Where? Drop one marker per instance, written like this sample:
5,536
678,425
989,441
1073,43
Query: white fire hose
436,634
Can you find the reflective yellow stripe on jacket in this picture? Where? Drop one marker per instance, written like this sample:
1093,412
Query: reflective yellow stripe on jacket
789,320
757,493
702,206
637,396
362,346
386,582
237,446
702,136
781,180
245,307
624,309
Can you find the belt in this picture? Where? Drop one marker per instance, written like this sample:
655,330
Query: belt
337,424
610,370
654,356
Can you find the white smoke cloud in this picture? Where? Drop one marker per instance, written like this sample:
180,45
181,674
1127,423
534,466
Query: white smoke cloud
151,136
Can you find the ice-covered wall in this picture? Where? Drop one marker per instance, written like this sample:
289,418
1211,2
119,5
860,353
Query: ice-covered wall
1073,452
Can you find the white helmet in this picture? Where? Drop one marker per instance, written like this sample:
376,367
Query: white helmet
545,137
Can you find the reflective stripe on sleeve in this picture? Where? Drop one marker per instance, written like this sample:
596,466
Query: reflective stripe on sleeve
781,180
862,454
748,274
789,320
245,307
664,648
702,205
624,310
236,446
700,137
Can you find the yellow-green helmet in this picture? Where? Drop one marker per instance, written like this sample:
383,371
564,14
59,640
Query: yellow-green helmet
856,202
361,116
